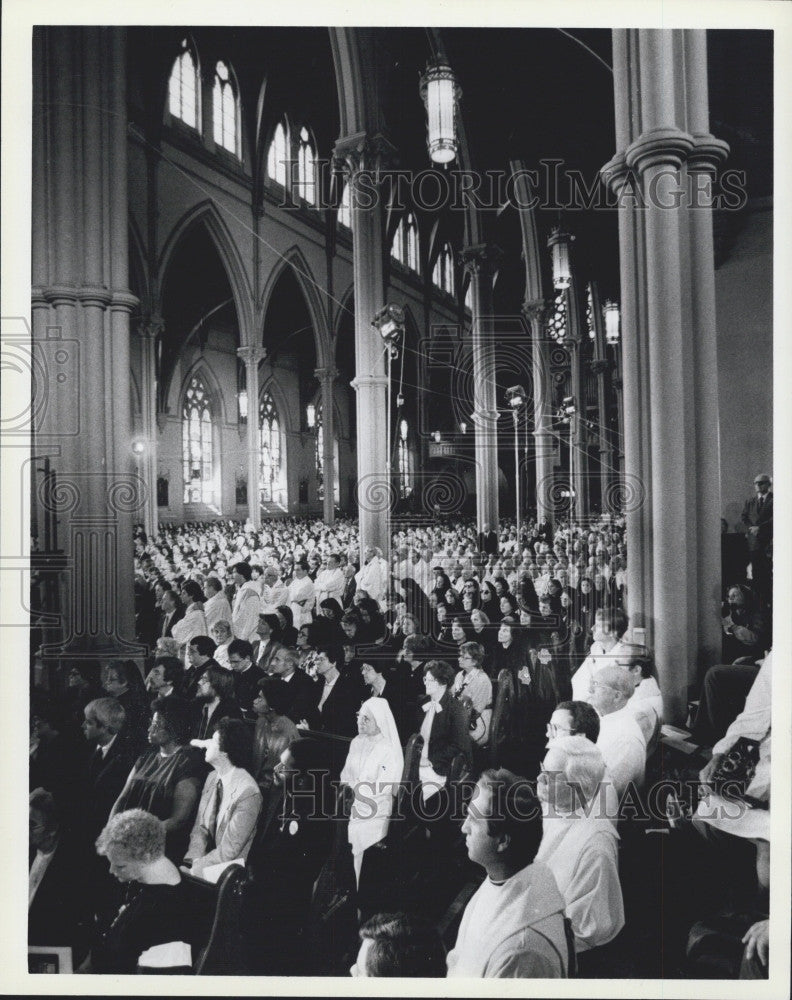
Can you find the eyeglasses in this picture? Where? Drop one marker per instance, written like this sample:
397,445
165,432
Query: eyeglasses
554,730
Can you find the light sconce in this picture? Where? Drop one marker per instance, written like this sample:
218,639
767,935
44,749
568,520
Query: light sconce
440,94
559,243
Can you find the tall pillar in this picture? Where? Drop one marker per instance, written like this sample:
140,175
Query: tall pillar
578,438
149,331
327,377
363,156
82,307
618,389
252,356
668,333
482,262
535,312
600,367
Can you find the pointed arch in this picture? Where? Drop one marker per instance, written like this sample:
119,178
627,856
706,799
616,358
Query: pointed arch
138,272
295,259
346,303
202,368
272,386
206,213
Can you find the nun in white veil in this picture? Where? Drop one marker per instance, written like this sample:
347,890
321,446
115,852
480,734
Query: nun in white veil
373,770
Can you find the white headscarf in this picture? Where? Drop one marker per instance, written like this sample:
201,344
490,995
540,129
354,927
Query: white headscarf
381,712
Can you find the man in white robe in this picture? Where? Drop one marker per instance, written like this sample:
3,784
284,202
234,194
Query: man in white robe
301,595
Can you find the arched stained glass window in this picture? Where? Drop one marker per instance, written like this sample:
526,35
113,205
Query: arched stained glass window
469,296
405,469
443,274
306,169
183,89
278,155
269,424
197,452
319,453
225,109
344,209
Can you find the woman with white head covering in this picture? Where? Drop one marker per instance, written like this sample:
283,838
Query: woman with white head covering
372,770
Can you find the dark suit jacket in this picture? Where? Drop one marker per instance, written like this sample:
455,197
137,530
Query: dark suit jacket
303,696
227,709
264,661
752,516
60,913
246,687
349,592
450,735
165,629
189,686
105,777
339,712
488,542
396,696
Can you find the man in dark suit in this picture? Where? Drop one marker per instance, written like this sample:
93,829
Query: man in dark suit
303,693
340,695
109,765
385,684
757,516
350,586
488,540
216,696
172,613
246,674
200,656
58,905
268,629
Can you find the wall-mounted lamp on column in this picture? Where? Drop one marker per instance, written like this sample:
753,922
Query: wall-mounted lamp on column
559,243
437,436
611,310
138,446
242,399
389,321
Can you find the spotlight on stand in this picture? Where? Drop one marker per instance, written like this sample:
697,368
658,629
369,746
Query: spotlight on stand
440,94
389,321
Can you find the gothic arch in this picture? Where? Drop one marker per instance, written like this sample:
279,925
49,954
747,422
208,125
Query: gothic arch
273,387
295,259
202,368
206,213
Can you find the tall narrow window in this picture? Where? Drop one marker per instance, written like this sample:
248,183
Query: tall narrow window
344,209
183,87
278,155
405,472
197,451
319,453
270,473
405,243
443,274
225,109
306,169
469,296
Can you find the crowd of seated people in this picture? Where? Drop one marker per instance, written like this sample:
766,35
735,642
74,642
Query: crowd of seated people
286,687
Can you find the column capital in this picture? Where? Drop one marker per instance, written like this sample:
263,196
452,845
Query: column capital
364,151
369,382
659,147
616,174
251,355
707,154
535,310
150,327
326,374
483,258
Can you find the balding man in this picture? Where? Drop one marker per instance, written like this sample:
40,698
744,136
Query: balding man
620,739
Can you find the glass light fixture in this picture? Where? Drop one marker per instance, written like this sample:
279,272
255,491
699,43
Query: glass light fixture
612,322
559,242
440,94
138,446
463,426
310,415
437,436
242,396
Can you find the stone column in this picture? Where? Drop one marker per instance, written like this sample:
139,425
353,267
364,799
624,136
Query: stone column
149,331
363,156
482,262
82,306
252,356
669,347
535,312
327,377
578,437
